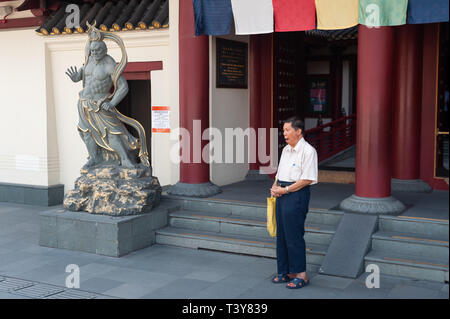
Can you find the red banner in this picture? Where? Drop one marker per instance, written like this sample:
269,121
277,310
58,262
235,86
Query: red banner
294,15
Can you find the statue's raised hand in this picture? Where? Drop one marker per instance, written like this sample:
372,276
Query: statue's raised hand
73,74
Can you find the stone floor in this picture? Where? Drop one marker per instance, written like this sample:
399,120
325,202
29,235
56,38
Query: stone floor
170,272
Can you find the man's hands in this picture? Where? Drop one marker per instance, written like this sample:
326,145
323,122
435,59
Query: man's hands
73,74
277,191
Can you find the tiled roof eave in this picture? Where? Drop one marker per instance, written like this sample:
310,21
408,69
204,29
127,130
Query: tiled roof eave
111,16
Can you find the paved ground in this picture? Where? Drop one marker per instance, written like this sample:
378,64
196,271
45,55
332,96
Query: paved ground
168,272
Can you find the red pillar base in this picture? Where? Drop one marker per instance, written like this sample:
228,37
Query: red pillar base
373,206
194,190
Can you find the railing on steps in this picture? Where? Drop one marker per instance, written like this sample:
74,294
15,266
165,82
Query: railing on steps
334,137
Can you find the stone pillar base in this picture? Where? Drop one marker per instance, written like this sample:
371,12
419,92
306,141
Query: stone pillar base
410,185
372,206
194,190
255,175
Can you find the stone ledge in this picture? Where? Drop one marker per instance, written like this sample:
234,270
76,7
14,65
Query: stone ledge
32,194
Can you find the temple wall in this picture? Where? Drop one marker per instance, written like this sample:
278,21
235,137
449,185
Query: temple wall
229,108
23,121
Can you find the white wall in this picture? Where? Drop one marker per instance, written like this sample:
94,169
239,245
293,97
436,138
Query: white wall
229,108
24,158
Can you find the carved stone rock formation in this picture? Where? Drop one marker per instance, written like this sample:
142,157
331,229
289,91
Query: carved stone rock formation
114,190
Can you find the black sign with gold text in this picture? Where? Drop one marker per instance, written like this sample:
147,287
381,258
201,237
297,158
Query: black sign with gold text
231,64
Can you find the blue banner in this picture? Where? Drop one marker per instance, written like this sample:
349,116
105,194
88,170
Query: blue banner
212,17
427,11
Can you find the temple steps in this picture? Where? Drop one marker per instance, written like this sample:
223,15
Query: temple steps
411,247
240,227
404,246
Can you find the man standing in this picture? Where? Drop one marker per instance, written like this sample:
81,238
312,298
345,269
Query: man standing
297,170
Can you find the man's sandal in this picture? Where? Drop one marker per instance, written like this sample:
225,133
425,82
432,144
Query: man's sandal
281,279
298,282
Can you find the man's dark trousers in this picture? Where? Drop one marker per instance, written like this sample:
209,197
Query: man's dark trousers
291,210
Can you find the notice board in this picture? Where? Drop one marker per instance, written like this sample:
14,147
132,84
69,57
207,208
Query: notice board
232,64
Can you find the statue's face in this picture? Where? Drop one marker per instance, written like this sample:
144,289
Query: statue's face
98,50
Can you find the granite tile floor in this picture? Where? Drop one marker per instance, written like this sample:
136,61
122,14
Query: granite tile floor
173,273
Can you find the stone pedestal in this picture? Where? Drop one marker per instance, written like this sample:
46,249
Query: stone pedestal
114,190
100,234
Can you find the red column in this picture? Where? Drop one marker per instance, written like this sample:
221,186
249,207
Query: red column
406,103
374,99
194,91
255,91
260,72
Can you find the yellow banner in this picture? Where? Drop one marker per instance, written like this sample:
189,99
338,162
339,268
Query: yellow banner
336,14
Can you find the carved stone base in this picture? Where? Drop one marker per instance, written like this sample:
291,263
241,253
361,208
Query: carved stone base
373,206
194,190
410,185
114,190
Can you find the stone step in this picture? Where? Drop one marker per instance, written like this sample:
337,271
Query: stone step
415,225
321,234
248,209
249,245
334,176
410,243
411,266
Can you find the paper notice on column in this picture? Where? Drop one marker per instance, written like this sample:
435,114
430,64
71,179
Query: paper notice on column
161,119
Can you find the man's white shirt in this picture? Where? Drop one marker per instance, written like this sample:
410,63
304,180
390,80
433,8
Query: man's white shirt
298,163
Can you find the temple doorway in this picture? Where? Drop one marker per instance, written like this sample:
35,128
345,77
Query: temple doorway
137,105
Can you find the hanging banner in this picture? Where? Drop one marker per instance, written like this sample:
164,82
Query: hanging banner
294,15
336,14
379,13
160,119
252,16
212,17
425,11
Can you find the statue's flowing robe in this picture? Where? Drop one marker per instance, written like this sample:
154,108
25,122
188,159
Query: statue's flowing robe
99,123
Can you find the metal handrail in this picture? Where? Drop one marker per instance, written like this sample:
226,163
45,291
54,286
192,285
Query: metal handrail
333,137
